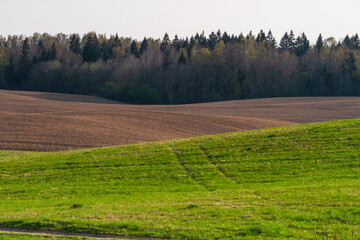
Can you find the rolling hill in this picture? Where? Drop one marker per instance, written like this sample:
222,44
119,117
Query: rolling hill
37,121
298,182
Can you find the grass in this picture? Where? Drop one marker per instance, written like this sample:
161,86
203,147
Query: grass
4,236
296,182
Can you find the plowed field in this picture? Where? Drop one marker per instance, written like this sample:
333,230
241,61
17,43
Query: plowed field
53,122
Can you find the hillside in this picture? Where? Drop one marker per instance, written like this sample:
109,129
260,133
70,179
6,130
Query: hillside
38,121
298,182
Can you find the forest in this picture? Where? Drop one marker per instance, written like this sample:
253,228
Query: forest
194,69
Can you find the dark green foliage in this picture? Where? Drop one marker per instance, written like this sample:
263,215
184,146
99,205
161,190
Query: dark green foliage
10,73
176,43
319,43
302,45
75,45
53,52
91,50
284,42
212,40
226,38
270,41
347,42
261,37
24,61
182,58
134,49
165,44
349,72
355,42
144,45
287,42
117,42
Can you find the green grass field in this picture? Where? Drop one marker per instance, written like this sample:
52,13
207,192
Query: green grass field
298,182
36,237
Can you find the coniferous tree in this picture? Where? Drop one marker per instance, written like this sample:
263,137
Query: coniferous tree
10,73
144,45
212,40
347,42
176,43
284,42
185,43
319,43
241,38
218,35
24,61
165,44
182,58
302,45
75,45
226,38
261,37
134,49
355,42
106,50
349,71
270,42
53,52
117,41
202,40
190,46
250,36
292,42
91,50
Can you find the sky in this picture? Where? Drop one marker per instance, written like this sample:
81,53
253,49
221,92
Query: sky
152,18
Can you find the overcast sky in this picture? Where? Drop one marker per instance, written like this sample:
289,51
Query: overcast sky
152,18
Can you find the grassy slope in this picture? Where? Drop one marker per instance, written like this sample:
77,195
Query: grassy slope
35,237
293,182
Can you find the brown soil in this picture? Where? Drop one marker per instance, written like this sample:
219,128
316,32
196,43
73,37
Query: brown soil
39,121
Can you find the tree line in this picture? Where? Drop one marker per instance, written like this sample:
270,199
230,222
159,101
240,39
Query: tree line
181,70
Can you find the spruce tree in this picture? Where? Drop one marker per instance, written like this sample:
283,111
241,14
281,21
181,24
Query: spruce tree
292,41
105,50
212,40
24,61
226,38
144,45
284,42
176,43
185,43
218,36
75,45
241,38
190,46
261,37
95,47
250,36
91,50
134,49
10,73
270,41
319,43
347,42
165,43
182,58
53,52
302,45
355,42
117,41
202,40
